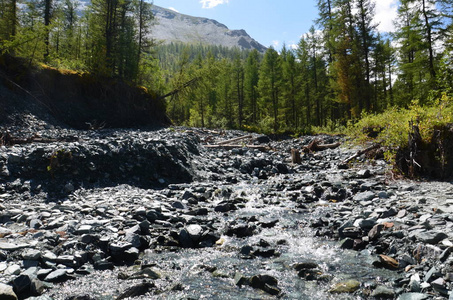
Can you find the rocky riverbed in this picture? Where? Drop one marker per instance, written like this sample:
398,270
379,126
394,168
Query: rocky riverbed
116,214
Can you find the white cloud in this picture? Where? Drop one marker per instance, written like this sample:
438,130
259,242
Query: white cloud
275,43
173,9
386,13
212,3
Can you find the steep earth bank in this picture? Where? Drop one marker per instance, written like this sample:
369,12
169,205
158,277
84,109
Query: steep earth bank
78,100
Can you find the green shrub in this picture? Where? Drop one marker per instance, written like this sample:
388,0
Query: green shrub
392,127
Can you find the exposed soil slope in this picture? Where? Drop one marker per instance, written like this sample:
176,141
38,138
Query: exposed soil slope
79,100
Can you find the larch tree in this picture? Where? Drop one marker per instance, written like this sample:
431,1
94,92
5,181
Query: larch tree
251,76
269,84
366,38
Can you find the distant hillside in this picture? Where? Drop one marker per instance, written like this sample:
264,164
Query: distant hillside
175,27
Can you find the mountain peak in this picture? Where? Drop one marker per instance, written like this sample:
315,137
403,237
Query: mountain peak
172,26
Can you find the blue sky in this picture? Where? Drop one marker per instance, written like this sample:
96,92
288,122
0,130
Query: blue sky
270,22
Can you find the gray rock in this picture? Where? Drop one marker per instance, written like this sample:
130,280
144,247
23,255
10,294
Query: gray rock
69,188
413,296
35,224
364,196
57,276
240,279
366,224
346,243
7,292
133,239
146,273
22,284
13,270
31,254
382,291
431,237
84,229
195,232
136,290
12,247
184,239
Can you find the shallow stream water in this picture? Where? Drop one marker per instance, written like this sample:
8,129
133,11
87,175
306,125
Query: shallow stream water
192,269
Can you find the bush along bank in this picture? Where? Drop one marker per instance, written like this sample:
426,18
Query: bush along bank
417,140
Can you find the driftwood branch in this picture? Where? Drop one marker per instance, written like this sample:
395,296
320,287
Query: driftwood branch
361,152
6,139
180,88
230,146
235,140
317,145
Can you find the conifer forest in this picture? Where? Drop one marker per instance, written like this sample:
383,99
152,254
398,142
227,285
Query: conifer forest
340,71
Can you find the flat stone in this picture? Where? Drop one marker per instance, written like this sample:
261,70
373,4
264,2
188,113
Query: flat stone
364,196
382,291
146,273
31,254
347,286
3,266
83,229
431,237
13,270
12,247
57,275
413,296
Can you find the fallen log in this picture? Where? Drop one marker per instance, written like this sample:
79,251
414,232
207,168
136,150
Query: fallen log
230,146
6,139
316,145
235,140
359,153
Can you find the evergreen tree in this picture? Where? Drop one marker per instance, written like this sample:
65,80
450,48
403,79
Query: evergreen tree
290,86
366,30
251,77
270,85
8,20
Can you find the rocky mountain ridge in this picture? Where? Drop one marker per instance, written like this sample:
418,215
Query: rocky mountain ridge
172,26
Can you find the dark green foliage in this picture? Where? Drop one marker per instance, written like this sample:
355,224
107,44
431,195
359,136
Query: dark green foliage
341,69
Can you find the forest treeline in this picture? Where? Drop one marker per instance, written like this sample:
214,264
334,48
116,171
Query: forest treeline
340,70
108,38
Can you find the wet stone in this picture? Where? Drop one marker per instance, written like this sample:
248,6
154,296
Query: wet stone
347,286
240,279
383,292
346,243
